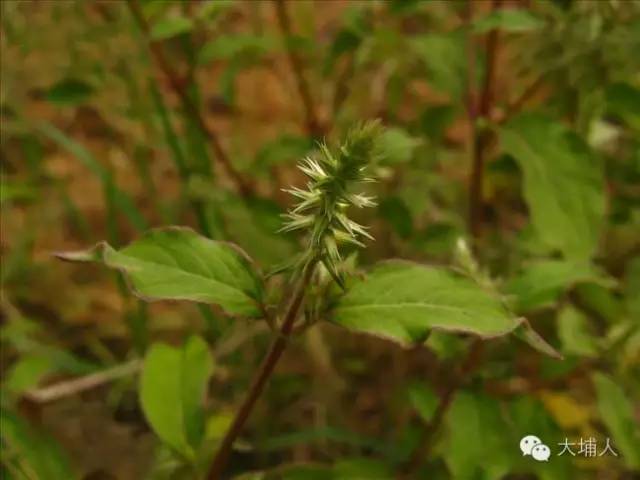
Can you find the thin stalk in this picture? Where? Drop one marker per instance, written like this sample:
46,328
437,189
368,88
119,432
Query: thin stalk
341,91
314,128
422,451
475,178
177,84
515,107
262,375
481,137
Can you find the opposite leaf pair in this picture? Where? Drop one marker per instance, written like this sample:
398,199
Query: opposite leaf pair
401,301
398,300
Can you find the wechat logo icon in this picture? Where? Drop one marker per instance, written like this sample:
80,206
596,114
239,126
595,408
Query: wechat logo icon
532,445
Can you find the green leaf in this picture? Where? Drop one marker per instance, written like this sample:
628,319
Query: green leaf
541,283
346,40
27,372
172,388
632,287
30,450
434,120
573,331
176,263
600,300
438,238
397,145
69,92
361,468
170,136
15,191
528,335
623,100
462,456
617,413
509,20
403,301
195,141
212,10
446,346
498,460
170,27
474,416
233,46
250,222
197,366
423,399
217,425
161,396
396,213
353,30
527,415
228,81
563,183
444,56
284,149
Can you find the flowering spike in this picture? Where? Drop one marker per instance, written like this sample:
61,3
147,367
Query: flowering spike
322,206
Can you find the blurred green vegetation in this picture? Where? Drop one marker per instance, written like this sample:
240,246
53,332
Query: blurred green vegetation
513,124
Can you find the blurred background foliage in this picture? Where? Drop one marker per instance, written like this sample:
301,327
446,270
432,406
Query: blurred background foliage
512,123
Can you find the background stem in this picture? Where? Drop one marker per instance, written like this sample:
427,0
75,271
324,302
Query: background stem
480,139
479,108
468,365
177,84
314,129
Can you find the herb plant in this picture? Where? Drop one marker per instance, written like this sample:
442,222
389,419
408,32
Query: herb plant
419,292
399,300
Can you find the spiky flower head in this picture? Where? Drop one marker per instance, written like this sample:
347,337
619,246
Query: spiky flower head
322,206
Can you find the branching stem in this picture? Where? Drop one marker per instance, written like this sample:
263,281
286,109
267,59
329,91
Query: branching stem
314,128
263,374
515,107
177,84
422,451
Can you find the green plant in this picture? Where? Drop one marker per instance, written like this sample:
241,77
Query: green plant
512,125
400,300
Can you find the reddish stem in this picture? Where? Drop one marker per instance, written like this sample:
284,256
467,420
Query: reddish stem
314,128
480,140
519,102
177,84
480,137
422,451
262,376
